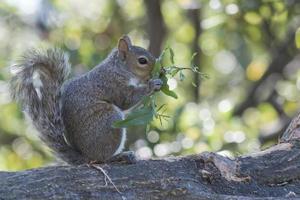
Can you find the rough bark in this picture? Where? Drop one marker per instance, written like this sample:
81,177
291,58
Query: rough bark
270,174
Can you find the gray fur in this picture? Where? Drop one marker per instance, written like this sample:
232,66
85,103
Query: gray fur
53,68
75,118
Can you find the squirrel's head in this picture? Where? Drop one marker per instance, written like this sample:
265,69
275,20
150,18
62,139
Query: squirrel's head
138,60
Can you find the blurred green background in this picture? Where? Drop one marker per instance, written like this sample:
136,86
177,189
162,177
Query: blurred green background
246,47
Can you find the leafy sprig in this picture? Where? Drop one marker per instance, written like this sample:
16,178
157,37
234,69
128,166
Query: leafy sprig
149,109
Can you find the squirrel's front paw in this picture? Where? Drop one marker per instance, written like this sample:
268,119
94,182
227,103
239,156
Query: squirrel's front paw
155,84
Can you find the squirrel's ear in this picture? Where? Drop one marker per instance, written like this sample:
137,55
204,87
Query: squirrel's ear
123,47
127,39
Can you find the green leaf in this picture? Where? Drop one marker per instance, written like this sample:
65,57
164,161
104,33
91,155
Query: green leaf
156,70
203,75
174,71
297,38
171,55
153,106
137,117
165,88
148,128
169,92
146,101
158,65
192,58
161,56
181,76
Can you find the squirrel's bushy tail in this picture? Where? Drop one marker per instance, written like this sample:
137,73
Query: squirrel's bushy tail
36,85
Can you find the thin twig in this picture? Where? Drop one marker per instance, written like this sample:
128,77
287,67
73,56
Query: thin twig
106,177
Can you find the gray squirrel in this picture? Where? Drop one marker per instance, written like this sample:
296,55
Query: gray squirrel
75,117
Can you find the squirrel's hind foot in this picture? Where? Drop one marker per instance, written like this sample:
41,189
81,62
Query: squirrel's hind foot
126,157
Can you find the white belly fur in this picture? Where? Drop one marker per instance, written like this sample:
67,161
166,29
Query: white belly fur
123,138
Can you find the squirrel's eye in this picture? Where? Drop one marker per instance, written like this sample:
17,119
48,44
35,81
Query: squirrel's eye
142,61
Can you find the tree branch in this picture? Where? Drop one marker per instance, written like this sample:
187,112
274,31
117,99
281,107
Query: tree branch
195,14
156,26
270,174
